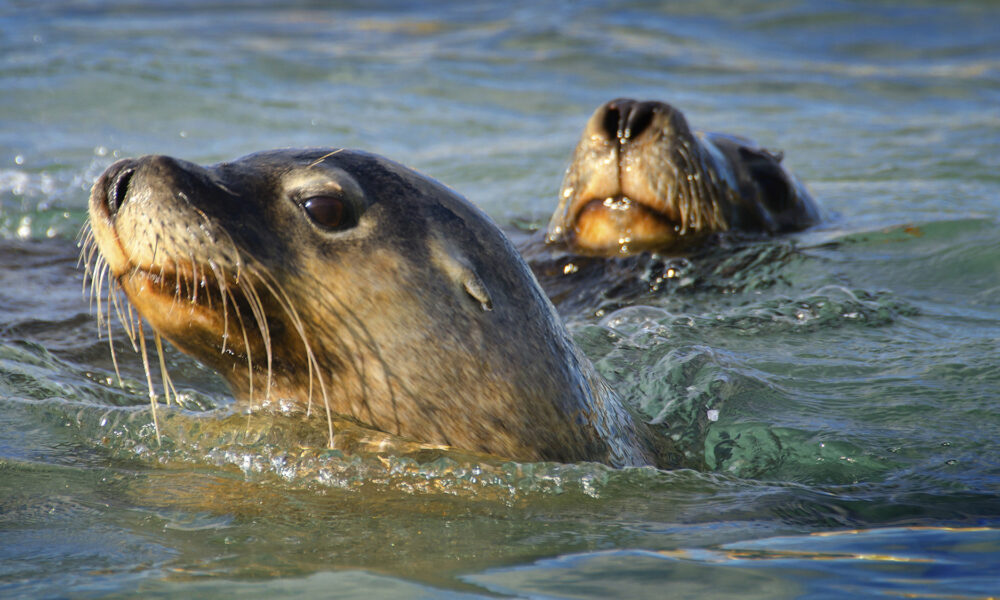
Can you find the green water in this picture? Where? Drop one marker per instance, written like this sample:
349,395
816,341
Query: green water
834,393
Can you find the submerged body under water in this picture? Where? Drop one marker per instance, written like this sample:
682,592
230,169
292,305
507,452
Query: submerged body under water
833,392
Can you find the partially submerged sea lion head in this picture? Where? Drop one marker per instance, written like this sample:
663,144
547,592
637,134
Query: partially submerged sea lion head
641,179
340,279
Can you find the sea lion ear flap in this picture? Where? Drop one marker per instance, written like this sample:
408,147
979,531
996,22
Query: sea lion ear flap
474,286
766,171
457,267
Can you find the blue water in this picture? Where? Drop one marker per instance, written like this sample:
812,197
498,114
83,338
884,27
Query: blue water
834,392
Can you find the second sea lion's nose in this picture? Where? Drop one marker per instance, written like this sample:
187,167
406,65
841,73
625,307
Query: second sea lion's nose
625,119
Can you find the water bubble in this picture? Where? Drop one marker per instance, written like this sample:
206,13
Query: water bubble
19,159
24,229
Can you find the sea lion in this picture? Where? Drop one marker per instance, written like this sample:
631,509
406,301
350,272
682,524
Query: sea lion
341,278
640,179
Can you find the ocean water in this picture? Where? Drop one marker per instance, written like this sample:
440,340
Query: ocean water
835,393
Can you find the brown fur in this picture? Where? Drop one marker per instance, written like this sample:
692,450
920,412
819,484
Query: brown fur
640,179
421,320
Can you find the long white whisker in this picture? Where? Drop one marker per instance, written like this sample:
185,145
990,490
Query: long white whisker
312,364
97,284
111,343
220,278
168,385
149,382
246,344
260,316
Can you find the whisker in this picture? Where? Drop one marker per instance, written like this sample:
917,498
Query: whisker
220,278
324,157
194,281
246,344
87,247
127,320
168,385
156,248
96,285
149,383
312,363
260,316
111,343
177,282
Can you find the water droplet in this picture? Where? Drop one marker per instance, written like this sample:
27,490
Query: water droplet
24,229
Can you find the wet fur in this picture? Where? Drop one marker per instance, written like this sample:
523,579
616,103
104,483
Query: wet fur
661,186
422,321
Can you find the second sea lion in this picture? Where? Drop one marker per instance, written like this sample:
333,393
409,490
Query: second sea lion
641,179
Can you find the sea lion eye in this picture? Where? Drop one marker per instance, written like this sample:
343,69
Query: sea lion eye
329,211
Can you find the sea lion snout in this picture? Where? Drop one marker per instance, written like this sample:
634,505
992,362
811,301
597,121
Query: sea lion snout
132,178
627,188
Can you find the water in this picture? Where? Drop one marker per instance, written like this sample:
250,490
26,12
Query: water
834,392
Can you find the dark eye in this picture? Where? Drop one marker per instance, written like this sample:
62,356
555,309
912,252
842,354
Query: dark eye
329,211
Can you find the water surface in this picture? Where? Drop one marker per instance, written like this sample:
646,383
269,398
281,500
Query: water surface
834,392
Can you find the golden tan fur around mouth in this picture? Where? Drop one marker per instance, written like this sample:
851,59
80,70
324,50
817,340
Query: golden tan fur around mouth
179,297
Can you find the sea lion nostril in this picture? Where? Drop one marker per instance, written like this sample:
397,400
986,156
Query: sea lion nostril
639,118
611,122
118,189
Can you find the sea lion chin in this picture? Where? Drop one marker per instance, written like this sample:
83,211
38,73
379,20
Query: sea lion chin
641,179
342,280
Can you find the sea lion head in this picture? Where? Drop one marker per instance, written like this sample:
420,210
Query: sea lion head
343,279
638,180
